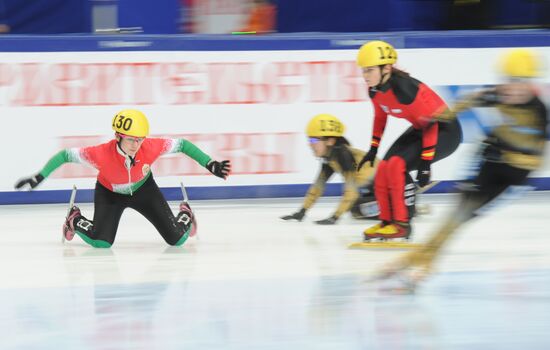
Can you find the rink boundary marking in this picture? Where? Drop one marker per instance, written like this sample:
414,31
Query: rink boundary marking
217,192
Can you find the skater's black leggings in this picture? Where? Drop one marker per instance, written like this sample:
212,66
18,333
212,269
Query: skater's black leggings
409,145
108,208
492,180
409,148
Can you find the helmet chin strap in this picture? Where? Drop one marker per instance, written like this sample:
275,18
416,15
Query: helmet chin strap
382,77
126,155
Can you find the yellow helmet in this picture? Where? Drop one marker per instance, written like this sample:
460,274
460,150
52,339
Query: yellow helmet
521,63
376,53
325,125
131,122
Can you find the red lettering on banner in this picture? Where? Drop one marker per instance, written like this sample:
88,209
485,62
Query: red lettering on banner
321,83
183,83
218,81
245,83
6,74
235,83
250,153
290,81
105,84
63,80
31,84
259,153
143,83
179,83
351,86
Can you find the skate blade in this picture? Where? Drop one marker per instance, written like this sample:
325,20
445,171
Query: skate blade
384,245
71,203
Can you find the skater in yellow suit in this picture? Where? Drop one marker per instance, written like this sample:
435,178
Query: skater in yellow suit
509,153
327,141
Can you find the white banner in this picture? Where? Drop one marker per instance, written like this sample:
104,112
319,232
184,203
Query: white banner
250,107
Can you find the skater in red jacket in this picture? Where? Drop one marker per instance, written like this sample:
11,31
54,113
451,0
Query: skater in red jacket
125,181
394,92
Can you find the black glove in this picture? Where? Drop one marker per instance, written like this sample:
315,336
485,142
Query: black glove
31,181
328,221
220,169
298,216
369,157
424,172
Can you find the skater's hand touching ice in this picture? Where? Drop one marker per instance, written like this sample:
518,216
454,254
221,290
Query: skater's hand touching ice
328,221
298,216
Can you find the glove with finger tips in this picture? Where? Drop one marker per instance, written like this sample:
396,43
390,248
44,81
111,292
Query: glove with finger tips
369,157
219,169
298,216
32,181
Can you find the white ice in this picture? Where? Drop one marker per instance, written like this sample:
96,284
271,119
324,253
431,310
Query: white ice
252,281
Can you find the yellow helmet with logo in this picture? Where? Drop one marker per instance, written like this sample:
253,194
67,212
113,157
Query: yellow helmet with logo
325,125
376,53
521,63
131,122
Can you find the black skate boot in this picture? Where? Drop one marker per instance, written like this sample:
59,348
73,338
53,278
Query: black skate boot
185,210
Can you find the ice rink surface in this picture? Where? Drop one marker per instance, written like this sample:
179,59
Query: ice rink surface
252,281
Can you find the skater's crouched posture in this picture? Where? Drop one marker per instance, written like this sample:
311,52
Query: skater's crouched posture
327,142
393,92
510,152
125,181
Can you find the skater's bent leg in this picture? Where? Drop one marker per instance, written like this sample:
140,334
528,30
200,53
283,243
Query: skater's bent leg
492,180
108,208
381,191
150,202
399,193
84,228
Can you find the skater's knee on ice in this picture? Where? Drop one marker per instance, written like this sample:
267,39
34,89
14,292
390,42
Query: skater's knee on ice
101,244
96,243
182,238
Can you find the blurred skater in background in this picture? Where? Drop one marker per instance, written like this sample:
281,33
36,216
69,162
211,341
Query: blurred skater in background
509,153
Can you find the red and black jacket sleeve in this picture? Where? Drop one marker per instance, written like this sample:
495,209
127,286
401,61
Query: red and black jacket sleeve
379,124
423,105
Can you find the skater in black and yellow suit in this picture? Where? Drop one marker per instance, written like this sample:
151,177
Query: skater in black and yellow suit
510,152
327,141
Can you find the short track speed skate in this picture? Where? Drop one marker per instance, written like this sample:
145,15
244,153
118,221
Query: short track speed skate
66,225
186,207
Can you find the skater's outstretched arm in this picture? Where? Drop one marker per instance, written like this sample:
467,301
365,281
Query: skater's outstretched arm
72,155
313,193
219,169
